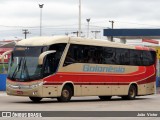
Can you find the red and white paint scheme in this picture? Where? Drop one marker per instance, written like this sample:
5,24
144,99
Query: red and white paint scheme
115,69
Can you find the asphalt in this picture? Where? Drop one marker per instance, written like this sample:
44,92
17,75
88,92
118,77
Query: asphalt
89,103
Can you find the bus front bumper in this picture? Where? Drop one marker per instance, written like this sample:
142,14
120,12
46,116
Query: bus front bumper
33,89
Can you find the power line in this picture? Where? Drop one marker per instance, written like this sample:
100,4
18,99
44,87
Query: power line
51,26
66,27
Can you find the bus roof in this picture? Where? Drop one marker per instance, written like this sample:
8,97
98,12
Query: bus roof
44,41
98,42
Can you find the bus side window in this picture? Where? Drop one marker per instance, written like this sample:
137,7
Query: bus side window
148,58
80,54
98,55
85,54
136,57
70,57
52,60
49,65
109,55
90,55
122,56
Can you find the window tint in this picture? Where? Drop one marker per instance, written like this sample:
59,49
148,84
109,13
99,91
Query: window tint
99,53
136,57
108,55
52,60
80,54
122,56
149,57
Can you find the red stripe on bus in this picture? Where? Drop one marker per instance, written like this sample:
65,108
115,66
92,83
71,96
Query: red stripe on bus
89,83
48,83
88,80
101,83
148,80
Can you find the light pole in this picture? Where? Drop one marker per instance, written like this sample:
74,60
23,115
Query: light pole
112,22
41,6
79,31
88,20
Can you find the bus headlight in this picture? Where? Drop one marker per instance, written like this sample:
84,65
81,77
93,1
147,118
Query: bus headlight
20,86
34,93
37,85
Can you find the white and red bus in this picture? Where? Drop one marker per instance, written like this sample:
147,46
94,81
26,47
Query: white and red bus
61,67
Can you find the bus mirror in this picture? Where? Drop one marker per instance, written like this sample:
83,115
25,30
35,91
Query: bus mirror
42,55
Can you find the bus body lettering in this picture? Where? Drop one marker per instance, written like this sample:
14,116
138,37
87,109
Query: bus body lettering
109,69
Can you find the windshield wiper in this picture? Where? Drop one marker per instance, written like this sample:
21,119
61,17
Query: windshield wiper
16,69
25,70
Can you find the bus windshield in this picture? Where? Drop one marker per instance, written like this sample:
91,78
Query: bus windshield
23,65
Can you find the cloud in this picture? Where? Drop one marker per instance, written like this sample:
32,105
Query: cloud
64,13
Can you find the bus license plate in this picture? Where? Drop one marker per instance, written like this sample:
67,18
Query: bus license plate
20,92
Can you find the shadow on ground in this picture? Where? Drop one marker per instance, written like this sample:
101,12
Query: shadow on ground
54,100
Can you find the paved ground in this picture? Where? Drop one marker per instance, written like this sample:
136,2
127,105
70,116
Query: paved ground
143,103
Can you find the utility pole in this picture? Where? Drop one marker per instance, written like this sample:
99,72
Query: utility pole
77,33
25,32
112,22
96,32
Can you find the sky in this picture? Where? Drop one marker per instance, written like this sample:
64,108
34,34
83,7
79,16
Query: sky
60,17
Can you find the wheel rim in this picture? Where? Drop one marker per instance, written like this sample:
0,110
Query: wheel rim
65,93
132,92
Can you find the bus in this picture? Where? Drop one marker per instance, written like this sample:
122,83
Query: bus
63,67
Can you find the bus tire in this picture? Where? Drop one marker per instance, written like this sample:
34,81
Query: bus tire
35,99
105,97
132,92
66,94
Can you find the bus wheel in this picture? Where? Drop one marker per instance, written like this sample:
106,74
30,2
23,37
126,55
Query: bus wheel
66,94
131,93
36,99
105,97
